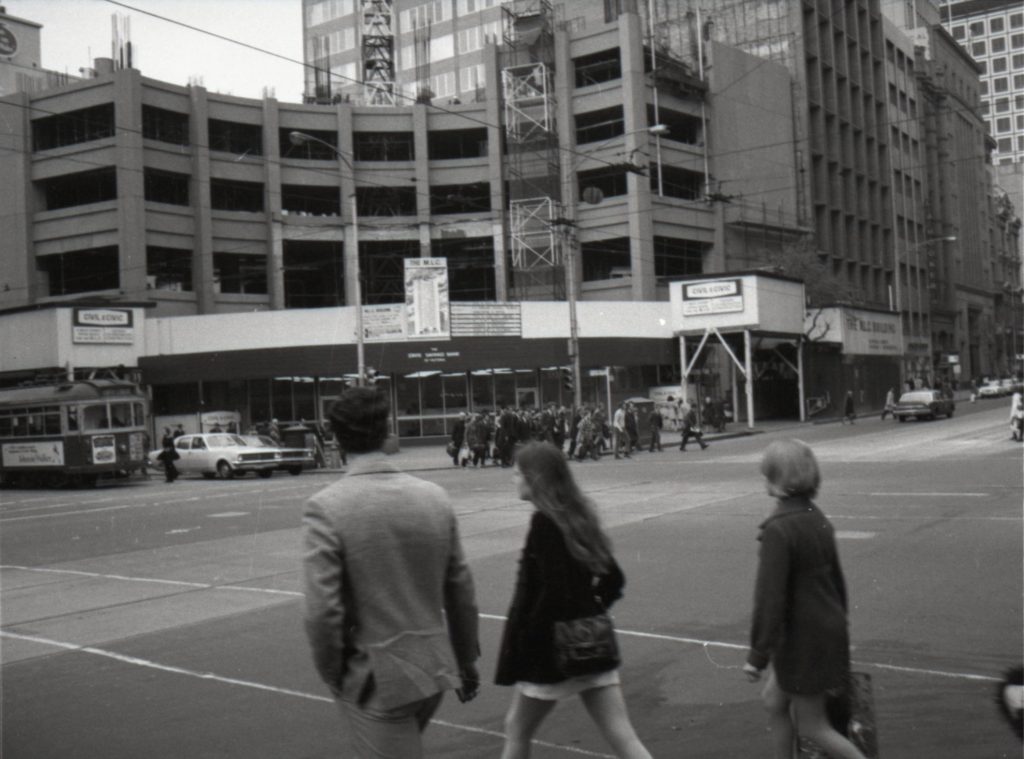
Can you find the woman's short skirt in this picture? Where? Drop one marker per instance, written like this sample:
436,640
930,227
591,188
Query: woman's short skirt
570,687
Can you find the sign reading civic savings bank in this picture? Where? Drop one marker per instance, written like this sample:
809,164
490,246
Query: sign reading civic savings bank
111,326
705,298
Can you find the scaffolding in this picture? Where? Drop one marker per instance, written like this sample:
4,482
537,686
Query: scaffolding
536,259
378,53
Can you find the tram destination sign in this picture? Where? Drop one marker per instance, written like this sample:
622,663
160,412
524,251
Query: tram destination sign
104,326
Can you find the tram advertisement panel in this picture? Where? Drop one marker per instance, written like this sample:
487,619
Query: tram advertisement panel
43,453
104,449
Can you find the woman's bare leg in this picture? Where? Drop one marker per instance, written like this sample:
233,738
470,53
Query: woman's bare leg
776,703
607,708
524,716
812,722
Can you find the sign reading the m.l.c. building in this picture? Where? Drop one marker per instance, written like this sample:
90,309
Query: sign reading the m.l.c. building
102,325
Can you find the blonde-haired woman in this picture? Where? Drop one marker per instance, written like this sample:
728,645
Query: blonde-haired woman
566,561
799,624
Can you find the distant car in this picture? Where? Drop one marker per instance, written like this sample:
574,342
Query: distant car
221,455
293,460
1010,385
923,404
992,389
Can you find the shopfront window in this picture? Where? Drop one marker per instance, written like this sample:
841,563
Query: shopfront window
550,385
504,388
483,389
455,398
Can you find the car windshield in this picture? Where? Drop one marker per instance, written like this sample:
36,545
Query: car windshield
918,396
259,441
224,441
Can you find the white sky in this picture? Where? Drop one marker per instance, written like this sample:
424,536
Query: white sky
76,31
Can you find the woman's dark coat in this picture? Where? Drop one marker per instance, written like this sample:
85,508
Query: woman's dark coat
800,607
551,586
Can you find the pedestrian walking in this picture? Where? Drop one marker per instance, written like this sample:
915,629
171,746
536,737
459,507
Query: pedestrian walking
691,429
620,435
656,423
1017,417
799,622
849,413
567,571
458,438
890,404
390,609
167,456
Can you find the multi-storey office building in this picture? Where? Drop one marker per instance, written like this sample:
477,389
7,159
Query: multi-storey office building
992,31
202,205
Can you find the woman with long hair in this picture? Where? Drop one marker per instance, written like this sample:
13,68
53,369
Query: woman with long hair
566,572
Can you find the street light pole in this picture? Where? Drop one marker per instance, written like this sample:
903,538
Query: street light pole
300,138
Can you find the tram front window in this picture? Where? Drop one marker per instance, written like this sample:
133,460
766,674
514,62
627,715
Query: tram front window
121,414
95,417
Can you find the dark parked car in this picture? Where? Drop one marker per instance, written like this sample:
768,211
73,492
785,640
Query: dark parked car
923,404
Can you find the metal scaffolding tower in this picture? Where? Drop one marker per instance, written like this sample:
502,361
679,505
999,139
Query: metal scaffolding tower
537,261
378,48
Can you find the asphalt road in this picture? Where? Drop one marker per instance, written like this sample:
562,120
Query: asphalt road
146,619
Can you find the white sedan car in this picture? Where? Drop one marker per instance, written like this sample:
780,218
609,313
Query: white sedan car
992,389
221,455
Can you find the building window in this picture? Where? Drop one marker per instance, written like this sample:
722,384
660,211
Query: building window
313,274
678,258
81,271
978,48
1018,60
460,198
232,137
382,266
386,201
234,195
606,259
977,28
470,266
311,200
383,146
604,124
682,127
1016,20
451,144
168,269
959,32
610,181
995,25
240,273
997,45
310,150
678,183
1002,105
603,66
165,126
1000,85
998,65
1005,145
165,186
73,127
1003,124
80,189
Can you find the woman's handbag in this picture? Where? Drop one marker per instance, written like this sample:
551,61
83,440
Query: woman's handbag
451,448
587,645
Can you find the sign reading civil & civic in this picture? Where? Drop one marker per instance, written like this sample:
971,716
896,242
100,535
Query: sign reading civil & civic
721,297
103,326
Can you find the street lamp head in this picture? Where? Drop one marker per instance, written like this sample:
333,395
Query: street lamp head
299,138
658,129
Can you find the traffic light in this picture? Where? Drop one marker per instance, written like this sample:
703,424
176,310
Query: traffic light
567,379
370,375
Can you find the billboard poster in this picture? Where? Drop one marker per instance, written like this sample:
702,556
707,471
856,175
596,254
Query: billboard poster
383,322
110,326
42,453
104,450
426,299
486,319
703,298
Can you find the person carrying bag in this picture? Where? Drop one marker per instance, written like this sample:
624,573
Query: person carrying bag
559,641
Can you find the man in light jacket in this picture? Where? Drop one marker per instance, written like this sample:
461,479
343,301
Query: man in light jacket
382,560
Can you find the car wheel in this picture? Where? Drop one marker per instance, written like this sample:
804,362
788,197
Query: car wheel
295,470
266,473
902,418
950,414
224,470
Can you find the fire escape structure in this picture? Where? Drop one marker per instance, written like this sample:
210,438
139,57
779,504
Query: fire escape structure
537,260
378,53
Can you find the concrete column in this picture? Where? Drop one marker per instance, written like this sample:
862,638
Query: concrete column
419,136
272,204
131,207
495,173
199,196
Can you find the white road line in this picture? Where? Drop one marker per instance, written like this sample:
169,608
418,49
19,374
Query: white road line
494,617
933,495
210,676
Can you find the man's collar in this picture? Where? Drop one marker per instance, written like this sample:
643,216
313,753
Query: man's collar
374,462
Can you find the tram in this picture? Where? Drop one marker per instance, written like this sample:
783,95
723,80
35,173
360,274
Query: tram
72,433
